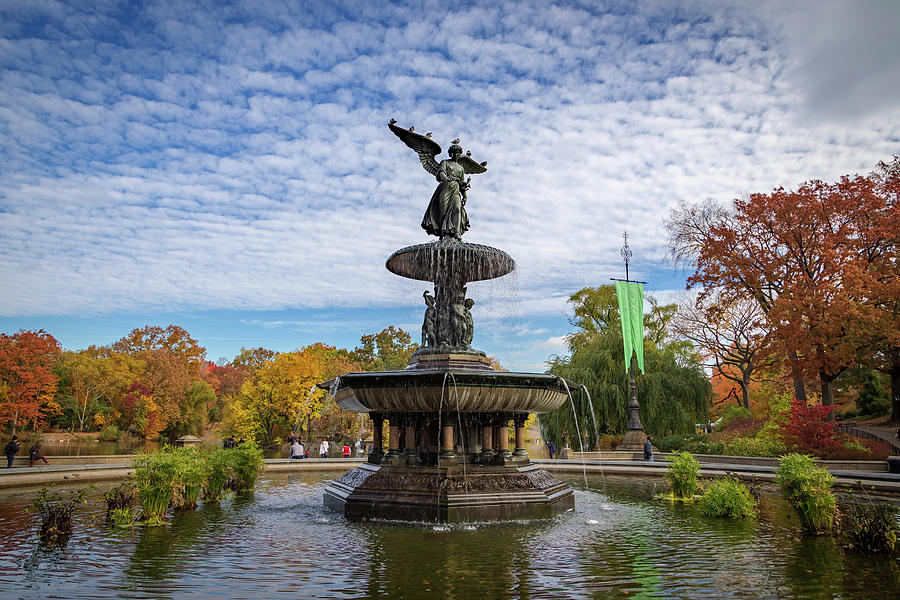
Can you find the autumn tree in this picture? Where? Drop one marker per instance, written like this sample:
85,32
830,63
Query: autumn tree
388,350
810,258
26,370
173,361
730,334
252,359
283,392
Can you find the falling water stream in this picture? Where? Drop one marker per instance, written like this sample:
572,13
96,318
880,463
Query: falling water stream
577,431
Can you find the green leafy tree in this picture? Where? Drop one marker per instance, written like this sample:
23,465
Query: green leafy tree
389,350
673,392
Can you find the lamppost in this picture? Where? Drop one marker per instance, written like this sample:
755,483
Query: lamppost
634,436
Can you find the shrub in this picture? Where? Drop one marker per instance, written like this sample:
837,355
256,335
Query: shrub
808,431
727,498
871,527
110,434
682,475
873,399
690,442
732,413
246,463
752,446
56,513
807,488
609,441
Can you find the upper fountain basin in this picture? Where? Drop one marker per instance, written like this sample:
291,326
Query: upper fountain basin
451,259
451,390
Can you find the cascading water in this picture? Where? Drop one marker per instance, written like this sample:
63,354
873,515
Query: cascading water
495,484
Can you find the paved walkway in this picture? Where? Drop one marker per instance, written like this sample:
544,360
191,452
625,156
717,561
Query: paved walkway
874,433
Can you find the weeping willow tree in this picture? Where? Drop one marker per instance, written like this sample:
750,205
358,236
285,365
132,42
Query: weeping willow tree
673,391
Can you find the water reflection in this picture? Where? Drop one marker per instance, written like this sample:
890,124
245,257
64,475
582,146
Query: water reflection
280,541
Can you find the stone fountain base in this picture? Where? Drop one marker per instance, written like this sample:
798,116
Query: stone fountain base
448,494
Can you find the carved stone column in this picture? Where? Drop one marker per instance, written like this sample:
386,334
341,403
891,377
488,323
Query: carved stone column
447,440
503,438
519,421
377,452
393,452
487,443
412,454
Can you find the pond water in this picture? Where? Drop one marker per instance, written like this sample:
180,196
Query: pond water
280,542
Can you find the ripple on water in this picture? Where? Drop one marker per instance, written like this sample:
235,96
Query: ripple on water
281,541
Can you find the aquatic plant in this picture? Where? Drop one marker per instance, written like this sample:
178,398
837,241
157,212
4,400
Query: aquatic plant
120,497
246,464
682,475
870,526
727,498
155,475
191,471
56,513
219,472
807,488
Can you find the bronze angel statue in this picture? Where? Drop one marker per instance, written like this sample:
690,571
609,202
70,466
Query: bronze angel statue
446,214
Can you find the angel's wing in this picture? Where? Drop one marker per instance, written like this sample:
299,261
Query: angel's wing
470,166
425,147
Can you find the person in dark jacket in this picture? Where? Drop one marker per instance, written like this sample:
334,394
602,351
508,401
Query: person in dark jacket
11,449
551,448
35,454
648,449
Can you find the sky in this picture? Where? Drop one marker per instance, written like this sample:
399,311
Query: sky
227,166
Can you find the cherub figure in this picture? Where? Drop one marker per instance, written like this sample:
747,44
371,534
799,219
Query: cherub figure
428,325
446,215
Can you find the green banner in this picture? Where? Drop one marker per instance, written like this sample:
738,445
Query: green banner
631,311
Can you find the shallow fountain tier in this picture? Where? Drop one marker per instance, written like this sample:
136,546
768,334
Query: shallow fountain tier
450,259
455,495
421,390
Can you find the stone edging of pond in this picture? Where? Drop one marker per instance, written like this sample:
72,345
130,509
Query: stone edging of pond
118,469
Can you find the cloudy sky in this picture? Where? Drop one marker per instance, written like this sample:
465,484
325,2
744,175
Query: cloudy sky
227,166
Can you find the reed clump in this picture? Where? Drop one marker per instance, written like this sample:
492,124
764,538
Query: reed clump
682,473
179,477
807,488
728,498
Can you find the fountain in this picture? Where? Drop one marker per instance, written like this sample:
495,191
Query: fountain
449,411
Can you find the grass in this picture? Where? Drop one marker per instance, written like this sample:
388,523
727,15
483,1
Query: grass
807,488
728,498
682,474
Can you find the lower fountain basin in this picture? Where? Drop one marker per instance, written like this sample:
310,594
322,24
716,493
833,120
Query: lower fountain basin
443,389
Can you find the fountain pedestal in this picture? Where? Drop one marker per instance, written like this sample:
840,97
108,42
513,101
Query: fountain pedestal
449,413
448,494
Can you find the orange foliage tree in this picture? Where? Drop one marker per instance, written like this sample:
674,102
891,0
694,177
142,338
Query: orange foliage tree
26,370
812,258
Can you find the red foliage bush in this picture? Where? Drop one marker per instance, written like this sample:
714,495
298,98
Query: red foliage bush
808,431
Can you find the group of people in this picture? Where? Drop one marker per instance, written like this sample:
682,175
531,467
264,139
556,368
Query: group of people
230,442
34,453
298,450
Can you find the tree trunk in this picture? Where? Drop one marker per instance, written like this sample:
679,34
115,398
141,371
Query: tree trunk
828,394
799,390
745,391
15,420
895,390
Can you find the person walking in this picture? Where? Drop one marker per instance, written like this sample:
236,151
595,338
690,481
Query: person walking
323,449
551,448
11,449
34,453
360,447
648,449
345,451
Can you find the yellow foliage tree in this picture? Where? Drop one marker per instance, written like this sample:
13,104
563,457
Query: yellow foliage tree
282,392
